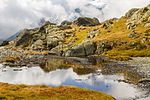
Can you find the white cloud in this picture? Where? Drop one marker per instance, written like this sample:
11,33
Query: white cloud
19,14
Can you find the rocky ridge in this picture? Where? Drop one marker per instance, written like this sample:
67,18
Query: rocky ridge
86,36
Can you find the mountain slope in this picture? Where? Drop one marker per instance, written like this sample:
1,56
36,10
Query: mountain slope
12,37
127,36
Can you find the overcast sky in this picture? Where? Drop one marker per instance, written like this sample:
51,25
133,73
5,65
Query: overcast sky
18,14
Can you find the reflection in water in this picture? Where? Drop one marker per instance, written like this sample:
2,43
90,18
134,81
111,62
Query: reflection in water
95,81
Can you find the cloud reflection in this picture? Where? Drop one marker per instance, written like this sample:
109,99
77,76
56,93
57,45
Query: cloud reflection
59,77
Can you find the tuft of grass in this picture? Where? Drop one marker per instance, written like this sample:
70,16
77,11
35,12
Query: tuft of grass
31,52
11,59
120,58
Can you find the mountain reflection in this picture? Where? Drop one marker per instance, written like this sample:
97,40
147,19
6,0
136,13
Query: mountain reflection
79,65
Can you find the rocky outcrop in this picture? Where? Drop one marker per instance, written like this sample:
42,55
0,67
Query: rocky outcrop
46,37
83,49
24,38
66,23
131,12
138,16
84,21
74,39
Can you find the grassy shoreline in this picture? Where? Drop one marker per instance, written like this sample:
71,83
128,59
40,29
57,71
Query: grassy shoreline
23,92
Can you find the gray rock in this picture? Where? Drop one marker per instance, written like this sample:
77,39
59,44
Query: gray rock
76,51
85,21
90,48
58,50
84,49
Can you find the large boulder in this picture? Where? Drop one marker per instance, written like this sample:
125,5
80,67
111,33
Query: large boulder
89,47
84,21
76,51
83,49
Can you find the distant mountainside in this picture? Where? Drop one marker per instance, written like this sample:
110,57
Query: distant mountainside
1,41
12,37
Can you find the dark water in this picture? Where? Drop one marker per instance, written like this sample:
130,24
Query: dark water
109,84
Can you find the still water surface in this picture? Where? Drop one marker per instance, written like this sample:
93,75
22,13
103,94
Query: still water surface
109,84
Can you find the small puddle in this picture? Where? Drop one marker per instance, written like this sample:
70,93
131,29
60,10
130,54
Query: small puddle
109,84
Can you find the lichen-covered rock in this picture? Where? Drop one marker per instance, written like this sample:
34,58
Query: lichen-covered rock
84,21
138,16
38,45
131,12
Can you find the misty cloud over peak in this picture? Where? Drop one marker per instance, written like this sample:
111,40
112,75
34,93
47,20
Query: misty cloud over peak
18,14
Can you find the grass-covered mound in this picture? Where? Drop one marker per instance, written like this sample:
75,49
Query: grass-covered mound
23,92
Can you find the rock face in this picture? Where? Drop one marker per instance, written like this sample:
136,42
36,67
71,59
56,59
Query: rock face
84,21
24,38
44,38
138,16
131,12
84,49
